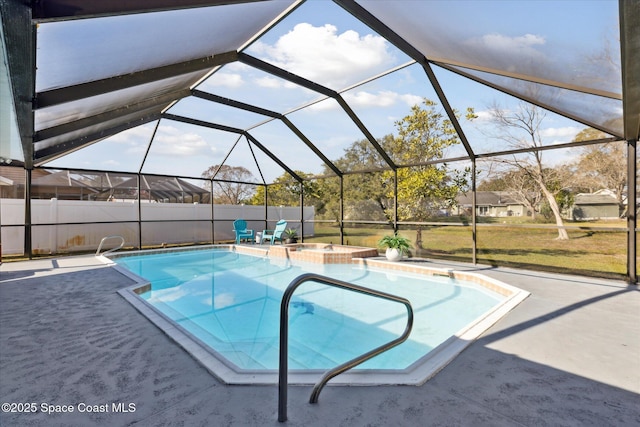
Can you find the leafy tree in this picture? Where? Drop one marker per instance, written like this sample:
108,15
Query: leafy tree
285,191
232,189
423,136
590,134
365,193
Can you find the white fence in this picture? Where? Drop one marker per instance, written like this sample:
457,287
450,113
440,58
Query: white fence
85,234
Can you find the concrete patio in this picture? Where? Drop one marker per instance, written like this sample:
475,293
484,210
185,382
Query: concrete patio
568,355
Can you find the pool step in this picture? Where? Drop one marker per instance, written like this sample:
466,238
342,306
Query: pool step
301,356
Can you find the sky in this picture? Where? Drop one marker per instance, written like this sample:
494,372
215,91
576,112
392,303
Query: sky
321,42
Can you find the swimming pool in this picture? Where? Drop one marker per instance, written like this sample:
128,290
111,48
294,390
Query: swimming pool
229,302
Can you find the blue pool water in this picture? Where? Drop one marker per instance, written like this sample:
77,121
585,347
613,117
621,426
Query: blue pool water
231,302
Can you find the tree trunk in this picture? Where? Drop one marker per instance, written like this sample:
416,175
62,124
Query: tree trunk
562,232
419,238
530,208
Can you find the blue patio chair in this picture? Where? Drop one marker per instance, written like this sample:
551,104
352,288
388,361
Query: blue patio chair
240,227
276,233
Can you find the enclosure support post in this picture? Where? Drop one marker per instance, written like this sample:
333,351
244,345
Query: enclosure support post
474,230
139,211
213,216
28,247
266,207
395,201
301,212
341,223
631,211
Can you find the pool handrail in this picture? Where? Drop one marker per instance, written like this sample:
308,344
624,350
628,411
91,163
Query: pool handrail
284,336
112,249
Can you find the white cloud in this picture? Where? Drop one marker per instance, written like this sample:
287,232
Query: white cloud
411,100
380,99
567,132
167,295
269,82
133,136
171,141
367,99
483,116
235,66
523,45
135,139
500,41
275,83
324,105
343,55
221,78
230,75
223,300
520,53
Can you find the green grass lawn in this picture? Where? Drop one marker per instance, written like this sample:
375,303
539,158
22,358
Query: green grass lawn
589,252
505,242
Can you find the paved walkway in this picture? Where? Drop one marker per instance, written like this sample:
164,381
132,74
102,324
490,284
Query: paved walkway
567,356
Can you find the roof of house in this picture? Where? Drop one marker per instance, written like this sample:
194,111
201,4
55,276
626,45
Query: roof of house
594,199
164,187
16,174
59,179
488,198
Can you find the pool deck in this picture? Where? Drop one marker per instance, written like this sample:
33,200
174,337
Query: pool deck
568,355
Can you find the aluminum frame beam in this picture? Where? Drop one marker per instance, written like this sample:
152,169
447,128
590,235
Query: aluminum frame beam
49,153
370,20
58,10
18,33
629,49
57,96
269,113
300,81
527,99
230,129
159,102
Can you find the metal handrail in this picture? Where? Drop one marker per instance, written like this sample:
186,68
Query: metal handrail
112,249
284,336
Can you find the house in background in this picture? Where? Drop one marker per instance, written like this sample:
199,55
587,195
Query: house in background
7,184
12,181
45,184
599,205
61,185
157,189
99,186
602,204
490,203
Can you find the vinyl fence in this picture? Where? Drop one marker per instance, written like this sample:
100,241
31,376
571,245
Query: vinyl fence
74,226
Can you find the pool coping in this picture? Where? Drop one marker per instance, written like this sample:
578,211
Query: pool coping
416,374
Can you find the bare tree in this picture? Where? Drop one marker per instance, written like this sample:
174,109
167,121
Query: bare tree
231,185
523,190
521,129
602,166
